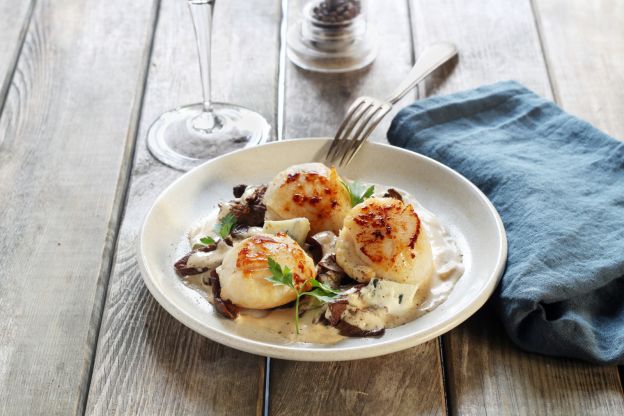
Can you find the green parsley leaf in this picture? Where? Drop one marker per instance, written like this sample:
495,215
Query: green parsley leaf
357,193
315,283
320,294
224,228
279,276
283,277
369,192
207,240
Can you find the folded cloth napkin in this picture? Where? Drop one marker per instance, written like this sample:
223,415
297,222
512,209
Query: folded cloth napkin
558,184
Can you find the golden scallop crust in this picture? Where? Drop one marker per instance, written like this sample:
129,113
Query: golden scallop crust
245,268
310,190
383,238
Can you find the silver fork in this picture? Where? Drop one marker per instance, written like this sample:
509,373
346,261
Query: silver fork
366,112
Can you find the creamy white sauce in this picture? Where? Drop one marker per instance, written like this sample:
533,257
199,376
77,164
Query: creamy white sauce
384,304
447,258
210,259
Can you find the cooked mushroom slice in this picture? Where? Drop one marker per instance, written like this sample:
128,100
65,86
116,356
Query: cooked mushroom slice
182,266
224,307
239,190
328,272
250,209
335,311
393,193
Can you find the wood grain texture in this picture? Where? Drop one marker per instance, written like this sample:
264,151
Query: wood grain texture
147,362
486,374
15,17
408,382
65,137
403,383
497,41
584,48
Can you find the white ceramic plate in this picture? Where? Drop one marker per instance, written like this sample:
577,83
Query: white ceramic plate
465,211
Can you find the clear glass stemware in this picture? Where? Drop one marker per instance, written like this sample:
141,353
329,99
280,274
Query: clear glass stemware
189,135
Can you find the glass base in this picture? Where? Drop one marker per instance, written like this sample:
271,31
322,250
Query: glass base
183,138
359,54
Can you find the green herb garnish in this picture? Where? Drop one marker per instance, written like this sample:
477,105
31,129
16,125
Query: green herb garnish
224,228
357,192
207,240
203,242
283,277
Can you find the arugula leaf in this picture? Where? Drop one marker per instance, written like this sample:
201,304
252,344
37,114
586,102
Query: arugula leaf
357,193
207,240
224,228
283,276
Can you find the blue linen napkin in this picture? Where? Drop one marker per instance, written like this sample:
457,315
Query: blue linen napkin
558,184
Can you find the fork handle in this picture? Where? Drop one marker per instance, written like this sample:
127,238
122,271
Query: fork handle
430,59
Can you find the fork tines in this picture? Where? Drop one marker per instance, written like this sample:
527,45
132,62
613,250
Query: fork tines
363,116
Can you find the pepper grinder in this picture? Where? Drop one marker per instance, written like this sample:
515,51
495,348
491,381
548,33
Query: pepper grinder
332,36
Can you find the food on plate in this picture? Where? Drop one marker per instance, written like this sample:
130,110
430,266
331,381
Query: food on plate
382,238
244,271
312,191
313,257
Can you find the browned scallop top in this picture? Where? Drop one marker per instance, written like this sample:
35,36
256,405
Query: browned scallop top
388,220
255,253
311,190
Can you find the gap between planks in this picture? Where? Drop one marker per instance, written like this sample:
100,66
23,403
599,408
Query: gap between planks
12,67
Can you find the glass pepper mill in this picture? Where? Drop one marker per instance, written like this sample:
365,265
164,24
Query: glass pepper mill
332,36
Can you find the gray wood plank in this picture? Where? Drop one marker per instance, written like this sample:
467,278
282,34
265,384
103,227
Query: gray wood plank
65,138
146,361
404,383
486,374
584,49
408,382
15,18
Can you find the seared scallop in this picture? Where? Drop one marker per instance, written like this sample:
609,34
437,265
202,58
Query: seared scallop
310,190
383,238
245,268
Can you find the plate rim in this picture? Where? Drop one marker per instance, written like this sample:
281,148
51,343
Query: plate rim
289,351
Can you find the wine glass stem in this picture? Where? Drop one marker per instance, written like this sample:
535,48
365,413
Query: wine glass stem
201,12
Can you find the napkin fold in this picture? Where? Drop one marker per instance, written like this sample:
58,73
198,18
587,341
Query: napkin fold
558,184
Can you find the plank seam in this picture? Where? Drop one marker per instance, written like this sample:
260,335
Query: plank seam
281,71
267,387
445,376
124,183
4,90
538,28
420,90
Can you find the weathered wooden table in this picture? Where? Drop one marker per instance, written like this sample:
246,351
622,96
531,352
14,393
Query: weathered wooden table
81,81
